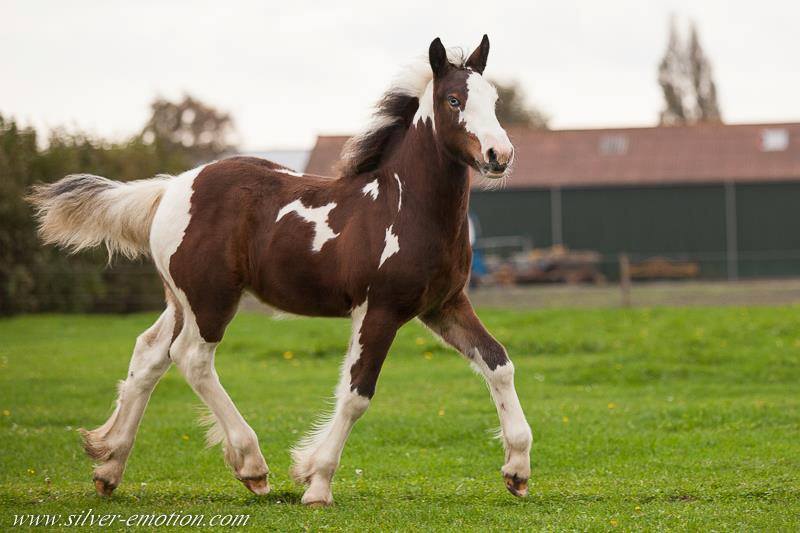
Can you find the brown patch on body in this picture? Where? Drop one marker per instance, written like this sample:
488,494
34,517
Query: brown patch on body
233,229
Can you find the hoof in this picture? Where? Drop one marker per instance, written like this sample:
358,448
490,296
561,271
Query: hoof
258,485
516,486
317,498
103,487
317,504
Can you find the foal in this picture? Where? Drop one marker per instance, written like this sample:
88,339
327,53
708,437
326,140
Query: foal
385,242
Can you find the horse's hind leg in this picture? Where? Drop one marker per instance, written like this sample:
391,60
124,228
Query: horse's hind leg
194,357
111,443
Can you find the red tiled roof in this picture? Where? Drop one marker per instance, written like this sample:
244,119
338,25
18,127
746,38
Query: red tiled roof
709,153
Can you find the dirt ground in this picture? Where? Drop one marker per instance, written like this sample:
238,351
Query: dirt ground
652,294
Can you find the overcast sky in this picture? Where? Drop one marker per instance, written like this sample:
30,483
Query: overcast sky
290,70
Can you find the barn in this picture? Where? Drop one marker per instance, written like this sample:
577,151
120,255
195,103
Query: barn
726,197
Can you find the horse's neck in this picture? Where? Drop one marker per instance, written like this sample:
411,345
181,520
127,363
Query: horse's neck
435,185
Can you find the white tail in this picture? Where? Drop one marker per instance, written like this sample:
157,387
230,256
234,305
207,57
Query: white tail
82,211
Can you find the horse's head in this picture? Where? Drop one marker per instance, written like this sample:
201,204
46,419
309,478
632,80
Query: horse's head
464,112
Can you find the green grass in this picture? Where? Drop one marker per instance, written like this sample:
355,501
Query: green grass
642,419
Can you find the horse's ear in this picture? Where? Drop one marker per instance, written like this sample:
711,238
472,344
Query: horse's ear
477,61
437,55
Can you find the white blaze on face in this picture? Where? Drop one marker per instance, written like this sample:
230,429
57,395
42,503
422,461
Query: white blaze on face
315,215
479,117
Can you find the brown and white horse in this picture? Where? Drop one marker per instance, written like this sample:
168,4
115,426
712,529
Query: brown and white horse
385,242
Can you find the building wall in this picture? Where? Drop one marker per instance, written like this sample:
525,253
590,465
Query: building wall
746,230
514,213
768,229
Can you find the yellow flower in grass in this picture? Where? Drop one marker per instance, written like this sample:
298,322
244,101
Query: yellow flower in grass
185,437
420,341
612,405
441,411
614,522
428,355
565,419
288,355
6,412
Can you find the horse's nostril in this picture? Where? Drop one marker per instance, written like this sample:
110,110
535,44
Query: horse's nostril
492,155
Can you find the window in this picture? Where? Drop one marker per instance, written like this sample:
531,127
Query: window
774,140
613,145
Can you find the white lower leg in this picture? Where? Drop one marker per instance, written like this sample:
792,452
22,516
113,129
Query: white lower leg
516,433
242,452
111,443
317,456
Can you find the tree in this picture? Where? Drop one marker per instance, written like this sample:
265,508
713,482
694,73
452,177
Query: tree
705,89
684,74
34,277
513,110
190,126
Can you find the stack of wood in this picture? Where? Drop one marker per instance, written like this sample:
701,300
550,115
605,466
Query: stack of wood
664,268
556,264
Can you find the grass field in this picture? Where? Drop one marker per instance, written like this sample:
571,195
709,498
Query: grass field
642,419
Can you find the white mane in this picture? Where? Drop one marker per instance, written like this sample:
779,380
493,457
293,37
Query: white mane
361,152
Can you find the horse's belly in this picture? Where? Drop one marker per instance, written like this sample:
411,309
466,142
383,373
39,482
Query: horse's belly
300,287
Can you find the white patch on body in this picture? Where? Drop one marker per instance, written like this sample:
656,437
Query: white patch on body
172,217
354,350
479,117
168,230
399,192
315,215
290,172
391,245
371,189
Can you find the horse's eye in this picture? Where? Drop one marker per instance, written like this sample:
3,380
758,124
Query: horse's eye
453,101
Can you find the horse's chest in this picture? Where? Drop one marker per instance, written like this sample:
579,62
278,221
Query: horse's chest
437,272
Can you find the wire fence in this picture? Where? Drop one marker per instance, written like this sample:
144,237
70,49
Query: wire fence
128,287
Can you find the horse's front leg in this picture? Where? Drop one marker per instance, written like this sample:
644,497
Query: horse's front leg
458,325
317,455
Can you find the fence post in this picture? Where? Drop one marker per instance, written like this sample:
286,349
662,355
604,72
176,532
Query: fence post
625,279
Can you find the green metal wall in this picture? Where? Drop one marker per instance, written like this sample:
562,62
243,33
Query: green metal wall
768,229
514,213
679,222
